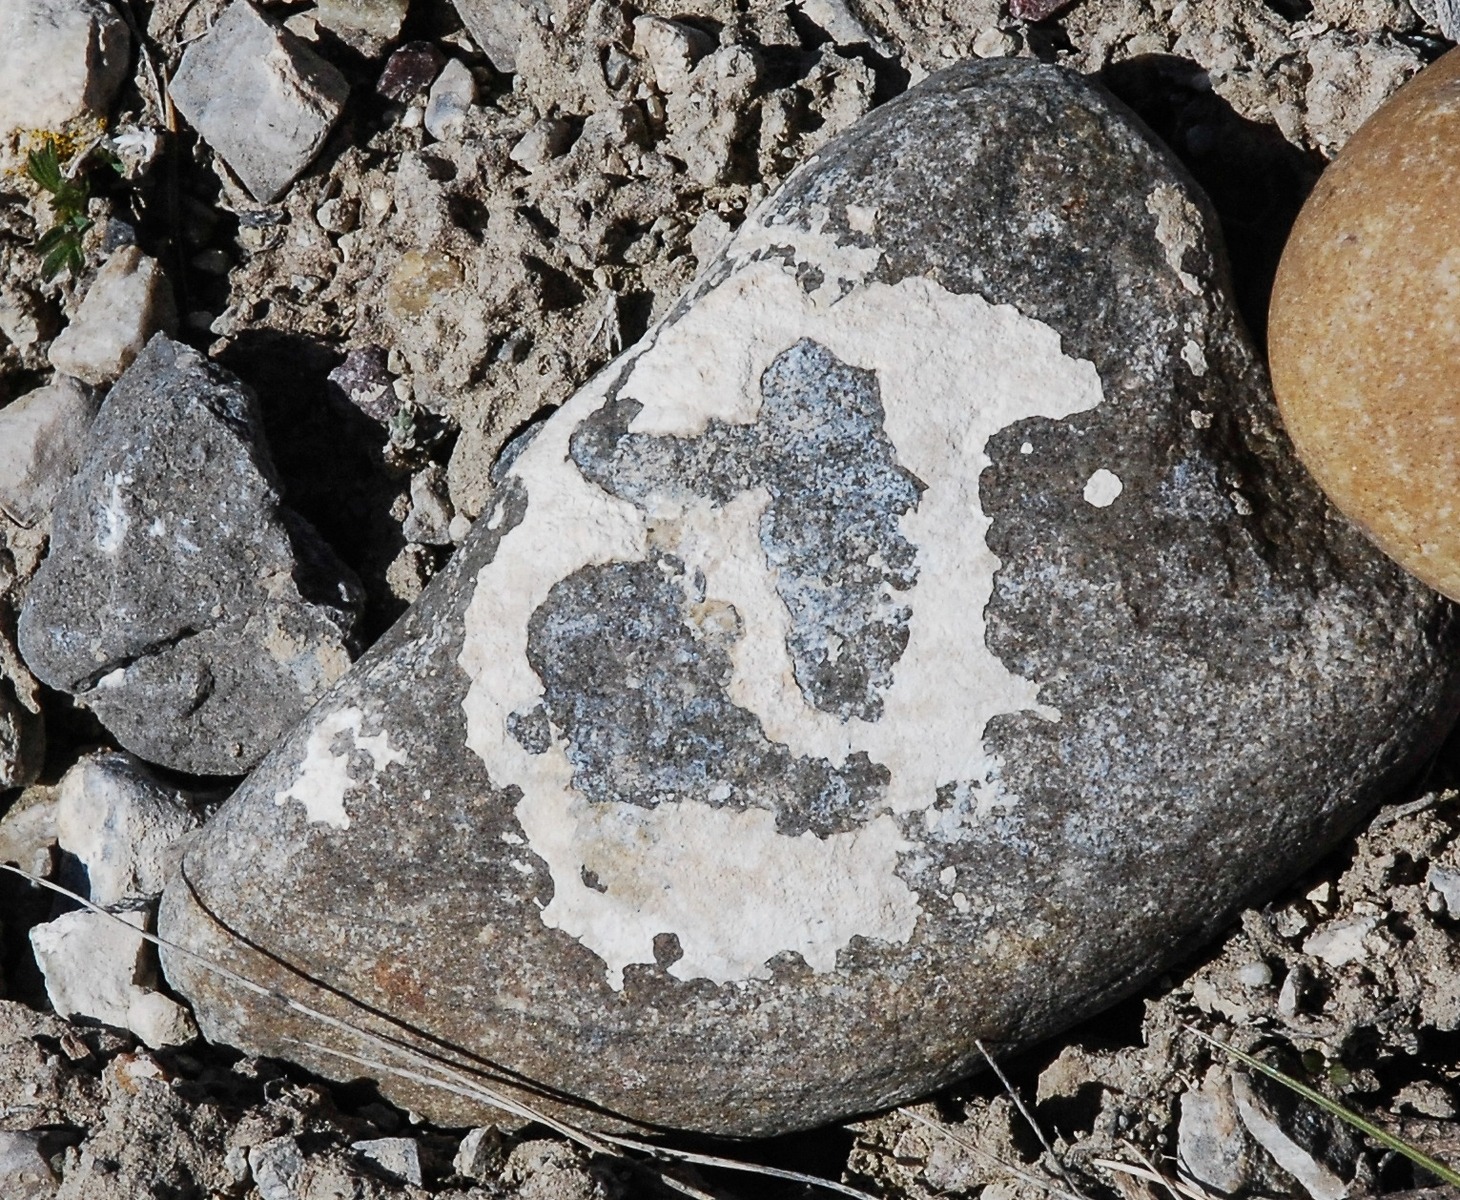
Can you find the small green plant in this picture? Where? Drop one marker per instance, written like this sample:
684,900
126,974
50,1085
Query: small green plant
60,245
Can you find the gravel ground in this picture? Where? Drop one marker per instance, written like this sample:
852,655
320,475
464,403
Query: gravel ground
471,294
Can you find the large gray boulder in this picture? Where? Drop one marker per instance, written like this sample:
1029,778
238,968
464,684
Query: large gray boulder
925,634
181,601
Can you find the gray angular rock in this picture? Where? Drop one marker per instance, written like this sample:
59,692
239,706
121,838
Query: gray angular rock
260,97
194,613
25,1171
276,1165
1212,1147
398,1158
922,635
497,26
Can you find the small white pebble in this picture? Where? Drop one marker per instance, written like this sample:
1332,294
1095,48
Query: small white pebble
1289,995
994,43
1102,488
1200,419
1322,894
1192,356
1027,448
1255,975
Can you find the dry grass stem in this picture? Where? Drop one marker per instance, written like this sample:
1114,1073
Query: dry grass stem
443,1077
1046,1185
1028,1116
1177,1187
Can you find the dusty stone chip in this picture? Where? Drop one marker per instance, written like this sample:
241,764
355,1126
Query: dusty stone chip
127,303
260,97
1363,333
61,61
872,660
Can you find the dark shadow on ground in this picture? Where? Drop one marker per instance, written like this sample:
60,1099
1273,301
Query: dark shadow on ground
329,458
1256,178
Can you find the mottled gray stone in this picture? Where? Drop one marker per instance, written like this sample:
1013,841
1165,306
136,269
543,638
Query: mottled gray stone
923,635
260,97
194,613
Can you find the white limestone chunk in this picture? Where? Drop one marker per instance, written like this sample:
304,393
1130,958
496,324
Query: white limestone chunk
1103,488
96,966
61,61
123,824
127,303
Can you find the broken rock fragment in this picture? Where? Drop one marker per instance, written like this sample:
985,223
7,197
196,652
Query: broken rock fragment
99,967
224,615
866,664
61,63
43,438
122,823
127,303
260,97
498,26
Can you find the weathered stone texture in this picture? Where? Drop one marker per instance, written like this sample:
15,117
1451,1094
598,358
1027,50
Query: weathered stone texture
923,635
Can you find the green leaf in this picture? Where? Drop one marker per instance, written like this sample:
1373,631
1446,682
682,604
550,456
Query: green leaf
52,264
1446,1174
52,238
44,166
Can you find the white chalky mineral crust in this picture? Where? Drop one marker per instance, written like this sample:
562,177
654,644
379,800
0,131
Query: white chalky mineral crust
324,775
953,370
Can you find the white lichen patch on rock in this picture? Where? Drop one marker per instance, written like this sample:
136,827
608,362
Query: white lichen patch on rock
324,775
953,370
1178,222
1103,488
680,868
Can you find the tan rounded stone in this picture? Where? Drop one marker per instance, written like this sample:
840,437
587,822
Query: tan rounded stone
1364,330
